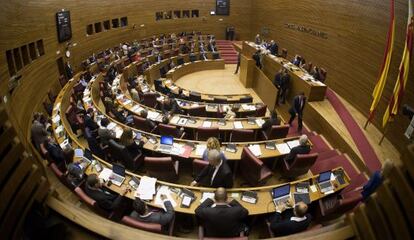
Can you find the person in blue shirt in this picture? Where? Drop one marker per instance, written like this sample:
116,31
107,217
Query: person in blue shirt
376,179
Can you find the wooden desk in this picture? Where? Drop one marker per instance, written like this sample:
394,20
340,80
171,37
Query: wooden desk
264,204
188,67
314,90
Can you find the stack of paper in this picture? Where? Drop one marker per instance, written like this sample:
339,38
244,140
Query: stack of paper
293,143
174,120
153,115
118,132
283,148
206,124
255,149
200,148
206,195
105,174
178,149
146,188
111,126
136,109
248,107
165,191
260,122
238,125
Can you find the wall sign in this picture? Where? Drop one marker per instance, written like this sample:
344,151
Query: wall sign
308,30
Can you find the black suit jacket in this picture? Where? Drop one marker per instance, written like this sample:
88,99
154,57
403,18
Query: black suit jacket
297,150
161,217
281,225
90,123
104,199
223,178
274,49
296,108
221,220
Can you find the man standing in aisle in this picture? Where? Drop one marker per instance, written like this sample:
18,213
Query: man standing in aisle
297,107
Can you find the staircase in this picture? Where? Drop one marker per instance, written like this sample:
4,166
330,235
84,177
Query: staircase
227,51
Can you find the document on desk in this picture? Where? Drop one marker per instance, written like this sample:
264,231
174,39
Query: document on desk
118,132
166,191
260,122
105,174
146,188
174,120
153,115
111,126
200,148
136,109
255,149
206,124
177,149
293,143
283,148
56,119
206,195
238,125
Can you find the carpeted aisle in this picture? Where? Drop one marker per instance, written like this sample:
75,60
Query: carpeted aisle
227,51
367,152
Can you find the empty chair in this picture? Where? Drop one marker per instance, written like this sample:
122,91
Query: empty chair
141,124
335,205
246,99
204,133
150,100
120,154
199,111
150,227
253,169
300,165
242,135
198,166
261,110
275,132
168,130
162,168
195,96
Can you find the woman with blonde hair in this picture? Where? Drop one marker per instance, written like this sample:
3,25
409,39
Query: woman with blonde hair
213,143
127,139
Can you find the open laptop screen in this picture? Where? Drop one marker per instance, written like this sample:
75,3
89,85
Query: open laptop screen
325,176
118,169
167,140
281,191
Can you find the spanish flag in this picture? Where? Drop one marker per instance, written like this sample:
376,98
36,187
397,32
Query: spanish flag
404,70
382,78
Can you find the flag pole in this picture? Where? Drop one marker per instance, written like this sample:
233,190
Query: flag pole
383,134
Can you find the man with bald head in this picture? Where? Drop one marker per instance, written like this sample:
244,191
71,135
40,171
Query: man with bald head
216,174
291,221
221,218
302,148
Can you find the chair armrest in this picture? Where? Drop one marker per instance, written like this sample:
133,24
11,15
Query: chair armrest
171,227
200,232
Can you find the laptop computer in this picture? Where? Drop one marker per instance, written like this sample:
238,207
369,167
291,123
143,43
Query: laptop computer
166,143
324,182
118,174
281,194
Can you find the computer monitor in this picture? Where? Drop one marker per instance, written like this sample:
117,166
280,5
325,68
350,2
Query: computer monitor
118,169
167,140
281,191
324,176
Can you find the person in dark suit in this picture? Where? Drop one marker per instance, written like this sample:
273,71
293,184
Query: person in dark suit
56,153
303,148
142,213
169,106
105,199
274,48
290,221
238,63
283,86
89,120
104,133
273,120
256,57
221,218
38,131
297,107
128,141
68,70
150,124
216,174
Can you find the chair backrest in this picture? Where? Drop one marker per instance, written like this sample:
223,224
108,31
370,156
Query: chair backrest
119,152
168,130
141,124
276,131
84,197
198,165
204,133
242,135
56,170
301,164
162,168
250,166
150,99
220,100
246,99
261,110
151,227
199,111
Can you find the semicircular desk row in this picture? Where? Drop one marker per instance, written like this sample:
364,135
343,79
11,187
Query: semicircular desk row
264,201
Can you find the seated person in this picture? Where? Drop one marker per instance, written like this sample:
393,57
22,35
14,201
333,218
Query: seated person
104,133
290,221
90,120
221,218
169,106
231,113
216,174
105,199
39,133
303,148
273,120
376,179
297,60
134,95
213,143
150,124
74,174
142,213
128,141
56,153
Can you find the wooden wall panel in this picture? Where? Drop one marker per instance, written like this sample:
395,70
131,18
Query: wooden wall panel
25,21
352,53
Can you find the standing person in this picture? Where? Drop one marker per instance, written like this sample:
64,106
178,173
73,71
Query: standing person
297,107
258,40
274,48
284,86
256,57
238,63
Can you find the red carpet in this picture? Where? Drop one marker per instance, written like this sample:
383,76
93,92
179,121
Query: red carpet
227,51
364,147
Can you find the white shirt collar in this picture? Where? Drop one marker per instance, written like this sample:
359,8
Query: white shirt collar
298,219
215,171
